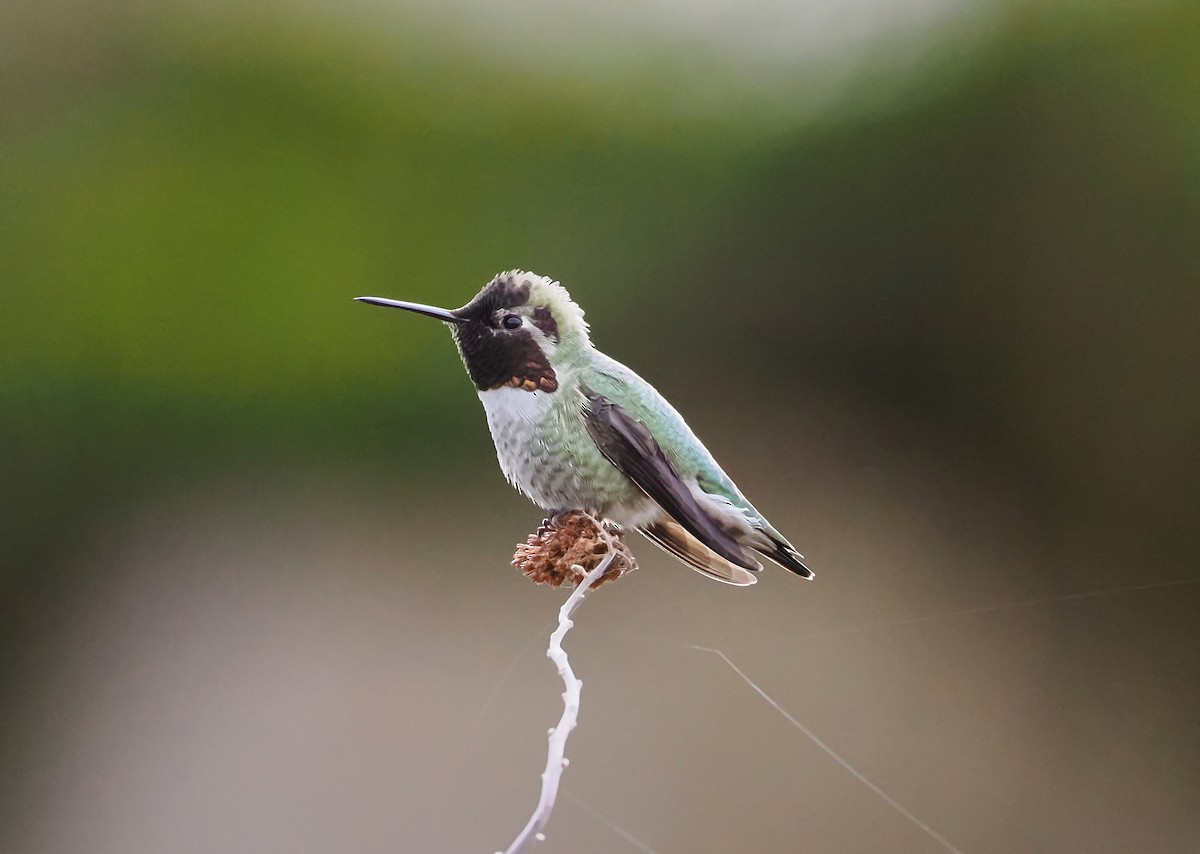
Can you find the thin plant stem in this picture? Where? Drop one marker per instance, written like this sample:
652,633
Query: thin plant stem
556,759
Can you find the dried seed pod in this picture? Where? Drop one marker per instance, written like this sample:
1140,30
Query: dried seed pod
567,547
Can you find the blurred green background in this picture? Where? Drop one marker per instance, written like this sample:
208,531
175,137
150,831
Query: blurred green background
926,278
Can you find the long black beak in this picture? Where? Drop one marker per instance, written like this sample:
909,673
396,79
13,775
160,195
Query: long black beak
427,310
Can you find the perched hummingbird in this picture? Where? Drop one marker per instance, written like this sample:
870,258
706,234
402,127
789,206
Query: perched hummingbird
575,429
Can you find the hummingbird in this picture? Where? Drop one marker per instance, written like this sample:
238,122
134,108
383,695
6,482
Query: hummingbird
576,429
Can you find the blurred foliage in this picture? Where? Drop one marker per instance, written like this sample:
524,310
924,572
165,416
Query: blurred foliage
998,245
1012,260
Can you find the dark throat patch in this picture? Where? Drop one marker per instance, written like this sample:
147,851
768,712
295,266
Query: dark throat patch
496,357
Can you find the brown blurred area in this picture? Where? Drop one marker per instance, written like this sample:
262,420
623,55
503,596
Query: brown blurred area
937,313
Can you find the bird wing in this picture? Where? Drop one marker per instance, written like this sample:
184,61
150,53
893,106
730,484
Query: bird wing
629,445
654,414
767,541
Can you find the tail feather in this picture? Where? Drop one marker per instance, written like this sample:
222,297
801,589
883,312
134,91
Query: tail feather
785,554
672,538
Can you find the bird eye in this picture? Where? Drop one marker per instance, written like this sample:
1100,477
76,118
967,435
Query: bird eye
511,321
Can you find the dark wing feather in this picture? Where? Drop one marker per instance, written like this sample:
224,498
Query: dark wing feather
785,554
628,444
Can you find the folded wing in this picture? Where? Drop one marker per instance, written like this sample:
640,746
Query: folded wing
693,533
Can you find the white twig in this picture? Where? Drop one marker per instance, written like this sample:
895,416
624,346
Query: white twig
555,758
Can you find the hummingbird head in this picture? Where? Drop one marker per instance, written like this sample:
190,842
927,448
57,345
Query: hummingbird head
514,333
